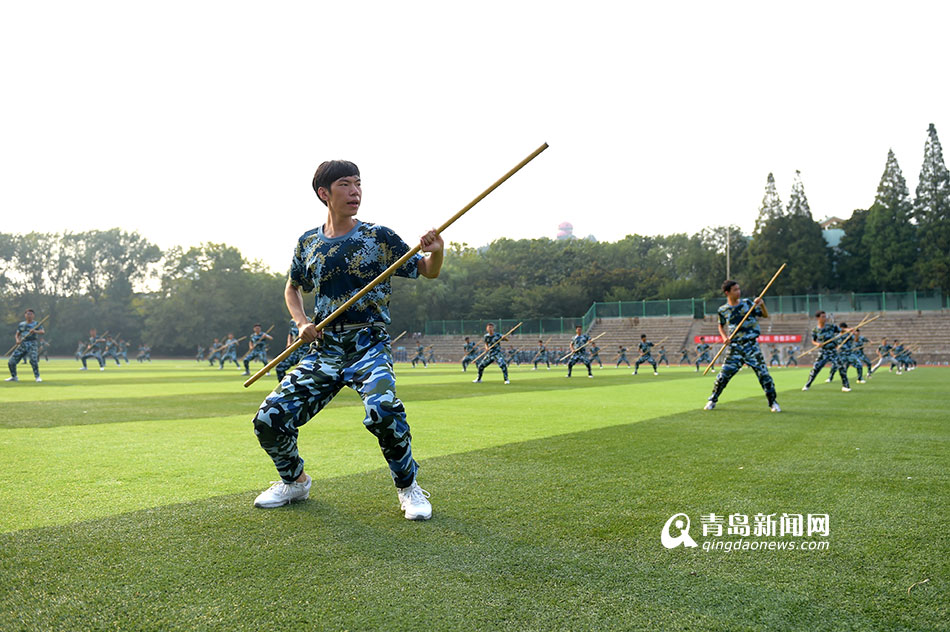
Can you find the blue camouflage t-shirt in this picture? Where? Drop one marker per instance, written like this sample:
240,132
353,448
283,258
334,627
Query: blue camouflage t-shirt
825,334
337,268
730,315
25,327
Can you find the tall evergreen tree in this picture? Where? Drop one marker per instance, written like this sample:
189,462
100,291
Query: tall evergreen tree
851,270
771,204
932,212
798,203
890,238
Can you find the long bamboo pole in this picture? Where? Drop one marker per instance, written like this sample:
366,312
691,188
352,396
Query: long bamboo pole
729,339
865,321
393,341
583,345
388,272
495,343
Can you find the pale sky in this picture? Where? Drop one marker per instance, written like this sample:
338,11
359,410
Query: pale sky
204,121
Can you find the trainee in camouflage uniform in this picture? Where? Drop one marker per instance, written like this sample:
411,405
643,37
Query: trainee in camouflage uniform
859,342
26,346
228,352
111,350
470,353
124,350
493,353
200,355
846,355
595,355
93,349
579,351
514,356
80,348
419,357
256,348
145,353
791,352
883,351
335,262
899,357
744,343
646,355
702,354
776,356
541,356
684,359
662,357
294,358
823,335
44,348
430,357
622,355
214,352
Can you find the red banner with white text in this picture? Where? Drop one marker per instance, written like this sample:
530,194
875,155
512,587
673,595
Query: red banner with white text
763,339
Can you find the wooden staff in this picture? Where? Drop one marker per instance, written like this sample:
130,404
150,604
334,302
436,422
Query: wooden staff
393,341
858,326
101,338
23,337
388,272
737,327
479,357
582,346
228,343
843,333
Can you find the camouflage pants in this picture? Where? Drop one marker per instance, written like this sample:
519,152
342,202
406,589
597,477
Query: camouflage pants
646,358
596,358
578,357
847,359
111,354
703,358
468,360
230,356
863,359
623,358
253,354
97,356
360,359
739,353
290,362
542,357
216,355
419,358
829,356
27,349
493,356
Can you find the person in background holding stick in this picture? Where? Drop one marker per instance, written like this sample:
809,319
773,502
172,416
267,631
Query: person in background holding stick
420,357
824,336
228,352
354,350
256,348
860,356
470,354
26,346
542,356
492,353
702,354
646,355
92,350
578,353
743,341
595,355
622,356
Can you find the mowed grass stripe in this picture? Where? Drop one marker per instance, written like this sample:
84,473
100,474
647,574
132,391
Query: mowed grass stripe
198,396
555,533
112,468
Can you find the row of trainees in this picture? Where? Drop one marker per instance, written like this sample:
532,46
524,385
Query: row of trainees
105,346
225,351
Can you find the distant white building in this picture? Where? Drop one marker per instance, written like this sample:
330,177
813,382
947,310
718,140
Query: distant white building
832,229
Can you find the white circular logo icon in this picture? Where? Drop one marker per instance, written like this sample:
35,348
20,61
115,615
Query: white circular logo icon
681,522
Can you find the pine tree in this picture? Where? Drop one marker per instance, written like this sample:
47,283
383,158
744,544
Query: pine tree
890,238
798,203
932,212
851,265
771,204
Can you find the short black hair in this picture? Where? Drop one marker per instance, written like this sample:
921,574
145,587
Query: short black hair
727,285
257,324
842,325
487,324
643,335
28,310
819,313
466,337
330,171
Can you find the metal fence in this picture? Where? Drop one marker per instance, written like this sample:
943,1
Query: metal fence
915,300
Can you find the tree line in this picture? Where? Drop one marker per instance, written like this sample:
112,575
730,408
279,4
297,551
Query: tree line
96,278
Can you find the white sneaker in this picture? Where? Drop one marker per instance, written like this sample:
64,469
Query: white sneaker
845,389
82,368
805,388
828,381
655,373
12,378
39,379
774,408
709,406
507,382
102,368
862,381
477,381
414,501
281,493
590,376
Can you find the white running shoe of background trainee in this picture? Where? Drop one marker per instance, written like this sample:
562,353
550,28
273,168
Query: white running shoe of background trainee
12,378
709,406
845,389
774,408
39,379
281,493
414,501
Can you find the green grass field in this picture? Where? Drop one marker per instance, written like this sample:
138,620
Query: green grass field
127,504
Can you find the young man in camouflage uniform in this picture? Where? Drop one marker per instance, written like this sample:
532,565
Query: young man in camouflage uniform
541,356
776,356
26,346
420,357
684,358
702,355
744,344
200,355
492,353
859,343
228,352
791,352
256,348
825,336
595,355
470,353
111,350
622,355
294,358
846,357
578,351
93,349
662,356
336,261
214,352
646,355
